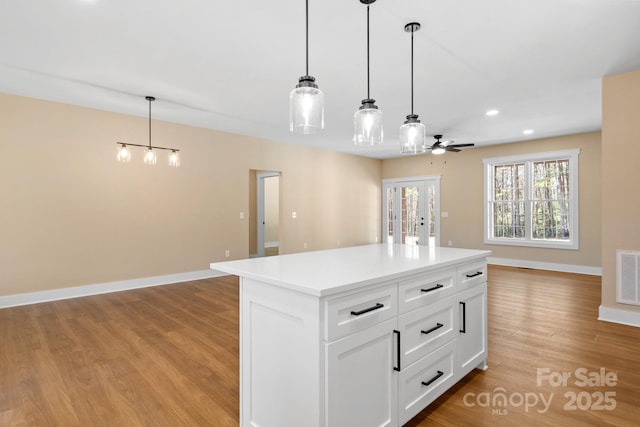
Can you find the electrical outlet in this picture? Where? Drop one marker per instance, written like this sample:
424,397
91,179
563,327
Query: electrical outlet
227,253
337,242
305,245
444,214
294,215
450,243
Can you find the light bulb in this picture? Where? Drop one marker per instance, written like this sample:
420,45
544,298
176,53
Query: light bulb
150,157
438,150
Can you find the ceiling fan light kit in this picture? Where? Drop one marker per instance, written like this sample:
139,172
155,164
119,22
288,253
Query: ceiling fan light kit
306,100
440,147
412,132
367,120
150,157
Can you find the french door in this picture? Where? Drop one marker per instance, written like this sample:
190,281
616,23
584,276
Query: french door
411,211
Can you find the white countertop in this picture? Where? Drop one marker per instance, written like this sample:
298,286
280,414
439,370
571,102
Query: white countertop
323,273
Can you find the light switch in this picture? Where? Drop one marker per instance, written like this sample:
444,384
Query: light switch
444,214
241,215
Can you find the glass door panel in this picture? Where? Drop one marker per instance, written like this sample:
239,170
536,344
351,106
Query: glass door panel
411,210
412,222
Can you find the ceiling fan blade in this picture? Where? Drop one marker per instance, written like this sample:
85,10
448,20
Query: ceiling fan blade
451,148
461,145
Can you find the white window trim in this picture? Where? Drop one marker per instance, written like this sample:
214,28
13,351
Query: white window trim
528,159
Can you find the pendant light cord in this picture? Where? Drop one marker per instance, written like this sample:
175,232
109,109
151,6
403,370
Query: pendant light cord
412,71
368,80
149,124
307,35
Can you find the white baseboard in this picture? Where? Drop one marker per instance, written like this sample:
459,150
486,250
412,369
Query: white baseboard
565,268
615,315
104,288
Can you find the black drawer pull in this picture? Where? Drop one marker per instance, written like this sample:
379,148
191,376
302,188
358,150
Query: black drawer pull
399,352
474,274
464,317
435,328
438,375
366,310
432,289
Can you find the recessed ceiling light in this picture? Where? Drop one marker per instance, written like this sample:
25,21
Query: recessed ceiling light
492,113
527,132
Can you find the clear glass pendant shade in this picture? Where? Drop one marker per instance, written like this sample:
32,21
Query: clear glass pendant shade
306,108
367,125
124,155
412,137
150,157
174,159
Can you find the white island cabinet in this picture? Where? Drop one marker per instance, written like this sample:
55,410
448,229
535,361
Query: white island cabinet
360,337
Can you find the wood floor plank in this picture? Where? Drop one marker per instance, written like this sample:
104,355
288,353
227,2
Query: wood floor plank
168,356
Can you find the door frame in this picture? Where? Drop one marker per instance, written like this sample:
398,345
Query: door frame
260,210
426,181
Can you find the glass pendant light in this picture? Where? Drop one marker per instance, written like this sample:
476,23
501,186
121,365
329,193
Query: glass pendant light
367,121
150,157
174,159
412,132
124,155
306,101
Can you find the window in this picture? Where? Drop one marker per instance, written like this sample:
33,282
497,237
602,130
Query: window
532,200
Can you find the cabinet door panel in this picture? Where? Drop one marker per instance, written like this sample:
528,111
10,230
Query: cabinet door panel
361,387
472,343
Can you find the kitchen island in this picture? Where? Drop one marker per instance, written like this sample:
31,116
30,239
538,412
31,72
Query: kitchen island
359,336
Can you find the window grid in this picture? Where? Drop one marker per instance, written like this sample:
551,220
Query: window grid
532,202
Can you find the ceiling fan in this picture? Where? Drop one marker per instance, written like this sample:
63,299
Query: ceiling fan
439,147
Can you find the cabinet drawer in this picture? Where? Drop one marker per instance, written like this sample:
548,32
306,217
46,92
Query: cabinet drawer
422,383
471,274
424,330
354,312
425,290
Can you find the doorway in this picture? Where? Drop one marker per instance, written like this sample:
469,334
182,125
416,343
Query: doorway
411,211
266,239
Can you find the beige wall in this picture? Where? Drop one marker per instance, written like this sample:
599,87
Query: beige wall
620,176
271,209
462,195
71,215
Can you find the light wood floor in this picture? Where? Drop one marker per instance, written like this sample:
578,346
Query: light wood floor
168,356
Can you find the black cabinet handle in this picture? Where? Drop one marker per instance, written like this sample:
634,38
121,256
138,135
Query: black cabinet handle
464,317
438,375
399,353
366,310
435,328
474,274
438,286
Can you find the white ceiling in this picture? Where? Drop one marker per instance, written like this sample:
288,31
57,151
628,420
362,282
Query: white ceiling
230,65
